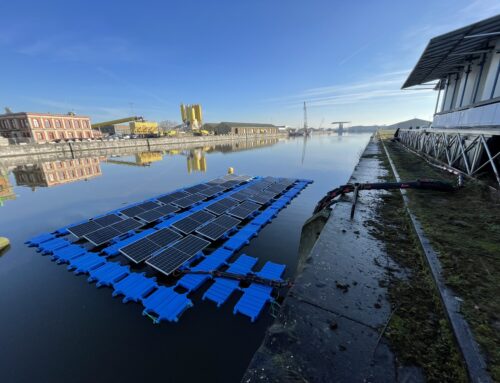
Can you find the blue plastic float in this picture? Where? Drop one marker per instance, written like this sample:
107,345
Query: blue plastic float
161,302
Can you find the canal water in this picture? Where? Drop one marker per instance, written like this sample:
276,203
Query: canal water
56,327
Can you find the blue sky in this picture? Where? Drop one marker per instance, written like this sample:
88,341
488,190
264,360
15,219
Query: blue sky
246,60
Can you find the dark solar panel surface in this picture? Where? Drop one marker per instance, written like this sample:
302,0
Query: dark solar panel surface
243,210
84,228
167,209
169,260
173,196
107,220
150,216
126,225
197,188
221,206
201,216
191,244
242,195
226,221
211,191
218,227
212,231
186,225
164,237
149,205
102,236
189,200
140,250
132,211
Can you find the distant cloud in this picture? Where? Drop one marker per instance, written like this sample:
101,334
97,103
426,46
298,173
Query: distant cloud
379,88
70,48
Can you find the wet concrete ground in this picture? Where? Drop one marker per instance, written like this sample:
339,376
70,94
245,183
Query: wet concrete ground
330,324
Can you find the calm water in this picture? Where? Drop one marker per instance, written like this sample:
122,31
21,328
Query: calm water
54,326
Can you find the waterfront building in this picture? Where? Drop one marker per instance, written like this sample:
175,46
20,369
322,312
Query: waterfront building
414,123
27,127
54,173
465,66
241,128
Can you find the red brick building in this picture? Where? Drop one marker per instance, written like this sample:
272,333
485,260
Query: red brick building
44,127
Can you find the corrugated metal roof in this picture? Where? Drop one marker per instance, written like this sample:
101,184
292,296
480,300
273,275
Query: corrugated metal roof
445,54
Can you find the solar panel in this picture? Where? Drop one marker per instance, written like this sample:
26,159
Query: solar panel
226,221
212,191
221,206
230,184
212,231
126,225
169,260
167,209
277,188
262,198
132,211
164,237
286,182
241,195
107,220
102,236
84,228
201,216
243,210
216,181
218,227
197,188
189,200
191,244
149,205
150,216
140,250
173,196
186,225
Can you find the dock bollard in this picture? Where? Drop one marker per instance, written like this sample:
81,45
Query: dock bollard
230,170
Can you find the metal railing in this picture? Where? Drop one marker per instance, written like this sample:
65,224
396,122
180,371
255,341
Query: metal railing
464,151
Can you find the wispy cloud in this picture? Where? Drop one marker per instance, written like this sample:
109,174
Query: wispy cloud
353,54
379,88
71,48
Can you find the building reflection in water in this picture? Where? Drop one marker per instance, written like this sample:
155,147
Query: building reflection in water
6,189
52,173
39,173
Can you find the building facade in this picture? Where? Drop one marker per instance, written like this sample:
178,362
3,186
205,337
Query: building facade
466,65
28,127
241,128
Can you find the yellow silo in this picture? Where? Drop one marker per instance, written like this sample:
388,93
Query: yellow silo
191,114
183,113
197,112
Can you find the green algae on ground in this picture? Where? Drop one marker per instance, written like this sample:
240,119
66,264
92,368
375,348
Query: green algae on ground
464,228
418,329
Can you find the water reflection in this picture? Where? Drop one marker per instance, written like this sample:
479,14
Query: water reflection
6,189
45,171
53,173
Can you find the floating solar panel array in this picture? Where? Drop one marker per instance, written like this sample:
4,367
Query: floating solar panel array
198,228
